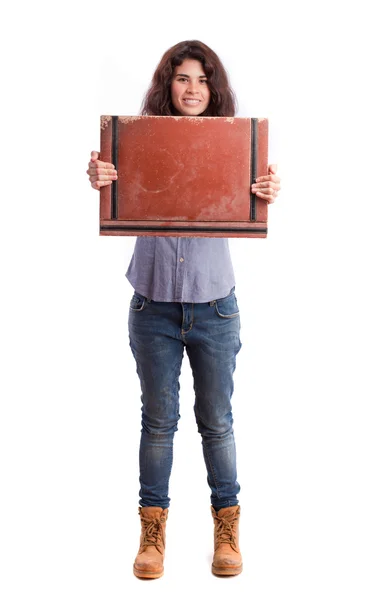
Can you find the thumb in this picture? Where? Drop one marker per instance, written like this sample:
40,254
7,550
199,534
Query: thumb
94,155
273,169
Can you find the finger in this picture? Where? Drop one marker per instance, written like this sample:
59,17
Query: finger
273,178
112,173
97,185
268,191
93,178
272,169
267,197
106,171
265,186
98,164
94,155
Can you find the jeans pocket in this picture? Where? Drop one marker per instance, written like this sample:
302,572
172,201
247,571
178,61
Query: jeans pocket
227,307
137,302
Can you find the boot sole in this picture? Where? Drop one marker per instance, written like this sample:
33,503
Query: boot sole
226,571
147,574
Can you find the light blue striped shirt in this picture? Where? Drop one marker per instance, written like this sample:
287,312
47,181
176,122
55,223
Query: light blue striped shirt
179,269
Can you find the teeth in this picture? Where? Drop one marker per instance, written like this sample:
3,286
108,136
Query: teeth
192,101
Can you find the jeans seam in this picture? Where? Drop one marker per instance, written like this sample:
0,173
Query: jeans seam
192,321
137,309
232,316
212,469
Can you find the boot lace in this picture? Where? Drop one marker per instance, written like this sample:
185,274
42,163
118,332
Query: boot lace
224,533
153,533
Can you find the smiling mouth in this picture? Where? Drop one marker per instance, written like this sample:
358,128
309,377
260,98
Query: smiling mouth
191,101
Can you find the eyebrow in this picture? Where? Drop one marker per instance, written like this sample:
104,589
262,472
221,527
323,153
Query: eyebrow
188,77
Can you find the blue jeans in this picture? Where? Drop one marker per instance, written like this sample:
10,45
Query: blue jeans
210,332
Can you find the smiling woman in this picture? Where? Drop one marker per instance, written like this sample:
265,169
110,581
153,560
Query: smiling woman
185,71
184,300
189,88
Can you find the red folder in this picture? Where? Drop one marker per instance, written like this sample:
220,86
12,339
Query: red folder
184,176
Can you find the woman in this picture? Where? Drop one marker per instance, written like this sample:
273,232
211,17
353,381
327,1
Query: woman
184,298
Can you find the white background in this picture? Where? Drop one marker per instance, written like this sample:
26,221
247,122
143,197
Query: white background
70,398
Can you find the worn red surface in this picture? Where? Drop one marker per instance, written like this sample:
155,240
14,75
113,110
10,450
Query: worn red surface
185,176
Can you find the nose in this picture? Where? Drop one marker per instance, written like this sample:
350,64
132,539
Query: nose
192,88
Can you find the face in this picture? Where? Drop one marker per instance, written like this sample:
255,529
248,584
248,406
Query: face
189,88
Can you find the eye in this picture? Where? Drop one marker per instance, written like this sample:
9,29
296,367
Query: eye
182,79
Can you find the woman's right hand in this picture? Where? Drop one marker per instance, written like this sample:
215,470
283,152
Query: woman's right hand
100,173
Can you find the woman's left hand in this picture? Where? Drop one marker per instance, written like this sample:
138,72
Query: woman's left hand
268,186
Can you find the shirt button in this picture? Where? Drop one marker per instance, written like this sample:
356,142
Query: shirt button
181,259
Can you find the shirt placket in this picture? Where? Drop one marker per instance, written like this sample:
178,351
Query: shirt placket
180,267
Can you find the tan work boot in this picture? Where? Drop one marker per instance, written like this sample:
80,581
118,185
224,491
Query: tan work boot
149,560
227,558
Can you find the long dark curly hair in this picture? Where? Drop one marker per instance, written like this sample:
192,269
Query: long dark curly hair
157,100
